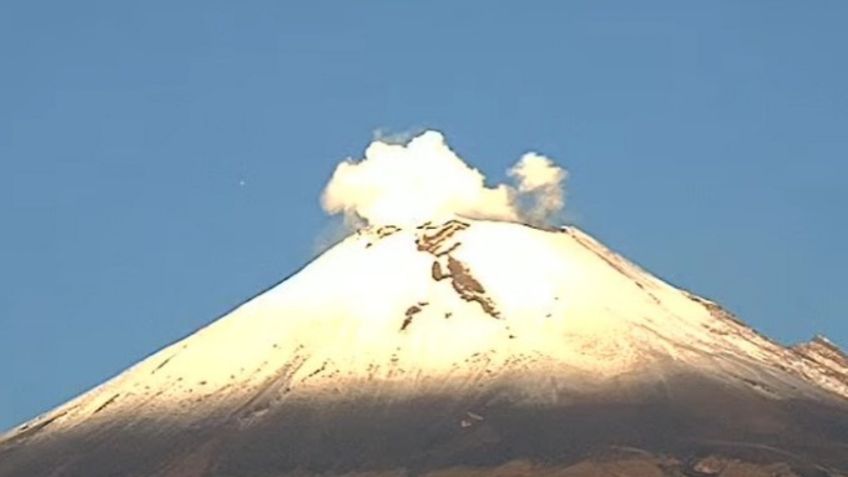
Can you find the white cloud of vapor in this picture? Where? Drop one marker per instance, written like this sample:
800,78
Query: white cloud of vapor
541,181
408,184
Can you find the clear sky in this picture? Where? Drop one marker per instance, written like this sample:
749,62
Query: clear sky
162,161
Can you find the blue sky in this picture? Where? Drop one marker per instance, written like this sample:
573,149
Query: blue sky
707,141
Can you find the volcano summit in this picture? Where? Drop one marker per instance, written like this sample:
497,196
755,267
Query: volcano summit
459,348
447,337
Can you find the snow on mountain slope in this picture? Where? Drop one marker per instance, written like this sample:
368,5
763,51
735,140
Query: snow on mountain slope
444,308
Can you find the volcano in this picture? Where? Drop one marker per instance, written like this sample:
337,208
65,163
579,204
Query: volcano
459,348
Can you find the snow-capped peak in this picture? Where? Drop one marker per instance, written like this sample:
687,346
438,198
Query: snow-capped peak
452,307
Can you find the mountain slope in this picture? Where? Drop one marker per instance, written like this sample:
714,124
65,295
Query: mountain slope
453,347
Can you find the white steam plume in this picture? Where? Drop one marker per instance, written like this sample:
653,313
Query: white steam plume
540,180
408,184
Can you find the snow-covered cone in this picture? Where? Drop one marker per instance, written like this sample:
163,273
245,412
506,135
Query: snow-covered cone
459,348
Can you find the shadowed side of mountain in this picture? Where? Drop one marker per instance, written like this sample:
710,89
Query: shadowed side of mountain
650,429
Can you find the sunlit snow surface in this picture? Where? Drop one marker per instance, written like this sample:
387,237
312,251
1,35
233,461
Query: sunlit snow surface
395,312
